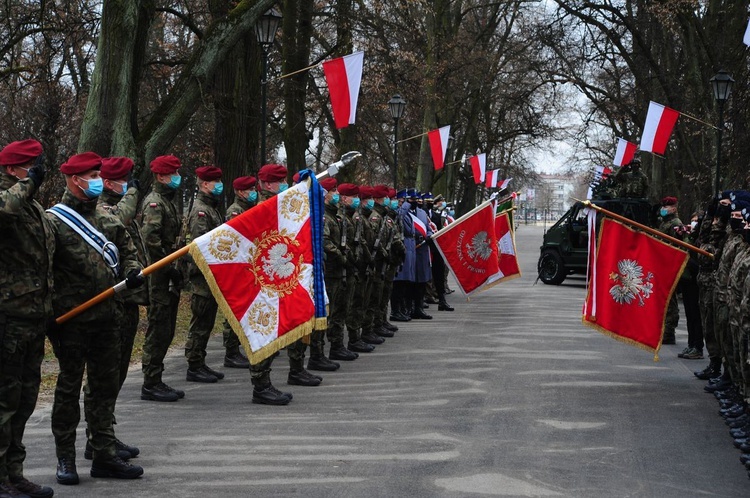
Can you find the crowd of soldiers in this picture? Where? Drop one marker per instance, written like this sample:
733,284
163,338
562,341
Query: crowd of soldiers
377,246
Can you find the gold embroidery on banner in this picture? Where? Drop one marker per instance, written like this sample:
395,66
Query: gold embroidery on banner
224,245
296,206
274,264
263,318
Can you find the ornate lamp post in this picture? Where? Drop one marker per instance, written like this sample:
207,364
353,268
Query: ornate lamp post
265,32
397,105
722,86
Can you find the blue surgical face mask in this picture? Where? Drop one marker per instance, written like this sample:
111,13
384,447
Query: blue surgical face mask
355,202
123,188
218,189
663,212
252,196
370,203
94,188
335,198
283,187
394,204
451,213
174,182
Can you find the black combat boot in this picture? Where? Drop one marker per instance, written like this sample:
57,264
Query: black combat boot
370,337
116,468
383,332
200,375
66,471
88,452
269,395
321,363
388,325
444,306
158,392
712,370
298,376
218,375
8,490
340,352
235,359
31,489
359,346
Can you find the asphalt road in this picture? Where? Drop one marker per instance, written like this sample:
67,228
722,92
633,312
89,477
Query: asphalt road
507,396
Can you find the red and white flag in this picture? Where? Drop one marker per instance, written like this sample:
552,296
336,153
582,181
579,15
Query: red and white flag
490,178
632,276
469,248
504,184
478,167
625,152
259,266
344,76
439,145
601,173
419,225
506,248
660,122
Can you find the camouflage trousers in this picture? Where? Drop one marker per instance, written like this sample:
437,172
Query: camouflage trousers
21,353
94,348
260,373
162,319
372,320
706,282
202,322
385,297
358,291
230,340
337,308
672,318
723,337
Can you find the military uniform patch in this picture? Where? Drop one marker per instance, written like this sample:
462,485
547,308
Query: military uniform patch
201,214
152,204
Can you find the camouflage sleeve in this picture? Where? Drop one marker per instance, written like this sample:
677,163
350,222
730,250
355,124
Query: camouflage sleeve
198,223
121,238
153,220
332,252
126,208
13,200
745,307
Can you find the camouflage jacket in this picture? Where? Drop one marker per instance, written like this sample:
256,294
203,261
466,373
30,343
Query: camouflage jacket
633,184
381,230
335,255
160,222
735,288
396,243
238,207
356,254
729,252
27,247
80,270
744,317
124,207
366,241
203,218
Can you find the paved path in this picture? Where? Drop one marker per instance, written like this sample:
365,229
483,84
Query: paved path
508,396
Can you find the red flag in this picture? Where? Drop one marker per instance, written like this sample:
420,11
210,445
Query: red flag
506,248
478,167
625,152
490,178
344,76
469,248
439,145
632,278
660,121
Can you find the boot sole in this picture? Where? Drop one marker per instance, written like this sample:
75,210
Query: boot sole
68,482
341,358
114,475
234,365
272,403
146,397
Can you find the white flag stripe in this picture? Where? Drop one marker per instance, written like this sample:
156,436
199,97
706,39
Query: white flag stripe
353,64
746,39
245,248
291,205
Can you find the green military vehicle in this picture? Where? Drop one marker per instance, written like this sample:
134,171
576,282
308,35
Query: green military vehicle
565,246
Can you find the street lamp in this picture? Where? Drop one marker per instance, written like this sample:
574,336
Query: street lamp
722,86
397,105
265,32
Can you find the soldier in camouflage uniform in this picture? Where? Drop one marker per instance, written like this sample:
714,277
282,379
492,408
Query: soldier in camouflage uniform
744,329
245,197
203,218
669,225
90,340
382,226
161,224
26,252
735,284
396,251
631,181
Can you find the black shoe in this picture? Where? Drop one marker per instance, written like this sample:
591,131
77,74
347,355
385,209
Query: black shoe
302,378
719,386
745,458
200,375
388,325
66,471
429,300
209,370
360,347
322,364
384,332
708,373
269,395
421,315
444,306
30,489
400,317
669,340
88,452
158,393
236,360
371,338
179,392
343,354
115,467
425,306
133,450
8,490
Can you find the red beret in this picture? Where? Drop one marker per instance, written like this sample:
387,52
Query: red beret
244,183
81,163
295,178
114,168
328,183
669,201
365,192
379,191
16,153
272,173
391,192
208,173
165,165
348,189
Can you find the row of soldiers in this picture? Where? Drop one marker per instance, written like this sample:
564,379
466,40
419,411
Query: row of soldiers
99,235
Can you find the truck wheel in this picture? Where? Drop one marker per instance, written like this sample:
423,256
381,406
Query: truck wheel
551,268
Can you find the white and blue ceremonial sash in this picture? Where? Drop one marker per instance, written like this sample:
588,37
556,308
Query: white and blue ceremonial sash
89,234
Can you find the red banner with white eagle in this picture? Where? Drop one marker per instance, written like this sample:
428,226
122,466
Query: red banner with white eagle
632,276
259,266
469,248
506,248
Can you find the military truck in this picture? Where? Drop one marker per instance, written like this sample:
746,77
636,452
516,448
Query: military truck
565,246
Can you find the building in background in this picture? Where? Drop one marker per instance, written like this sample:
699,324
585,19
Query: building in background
549,199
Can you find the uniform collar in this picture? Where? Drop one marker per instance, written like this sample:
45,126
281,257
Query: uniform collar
208,199
84,207
164,190
110,197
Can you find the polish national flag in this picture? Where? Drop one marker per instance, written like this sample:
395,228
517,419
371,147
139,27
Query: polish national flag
625,152
660,122
439,145
504,184
490,180
478,167
419,225
344,76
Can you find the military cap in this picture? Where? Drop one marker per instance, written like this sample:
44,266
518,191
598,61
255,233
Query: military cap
439,198
739,194
391,193
208,173
348,189
401,194
165,165
80,163
21,152
365,192
272,173
411,193
669,201
295,178
328,183
116,167
427,196
379,191
739,203
244,182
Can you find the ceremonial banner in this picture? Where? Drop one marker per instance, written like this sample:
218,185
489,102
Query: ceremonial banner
478,167
439,145
506,248
625,152
632,276
660,122
344,76
264,268
469,248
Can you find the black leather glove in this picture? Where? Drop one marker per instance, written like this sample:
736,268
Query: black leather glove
175,275
134,279
37,172
53,333
134,183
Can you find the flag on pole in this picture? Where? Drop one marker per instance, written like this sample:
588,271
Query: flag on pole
506,248
439,145
746,38
625,152
660,121
478,167
264,268
490,178
504,184
469,248
344,76
632,276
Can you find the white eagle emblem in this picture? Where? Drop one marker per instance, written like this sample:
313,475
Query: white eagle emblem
631,284
479,247
278,263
